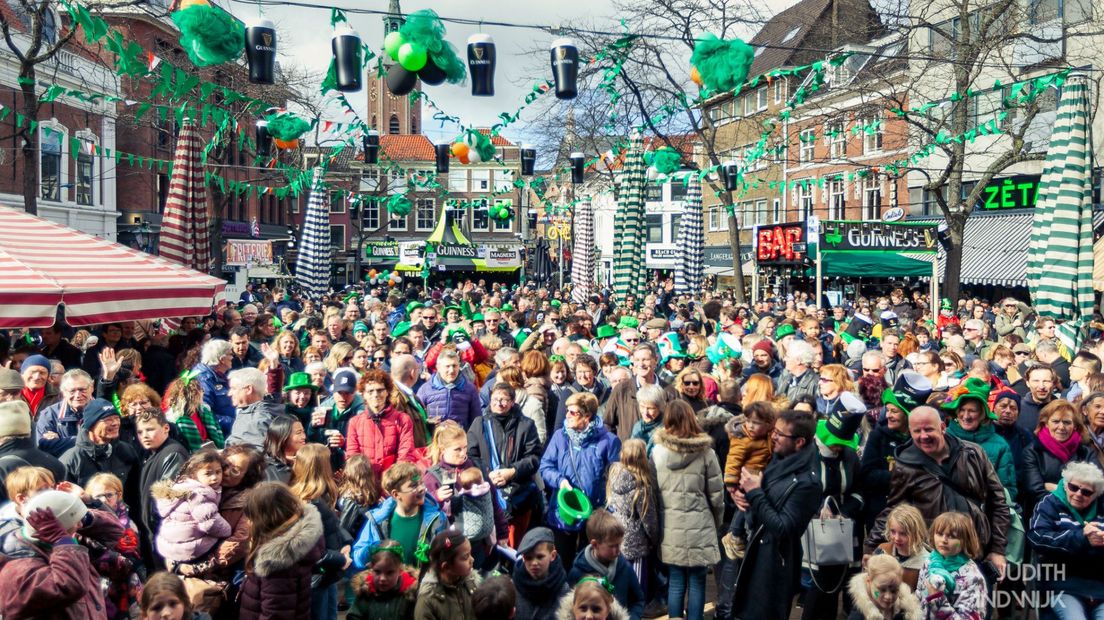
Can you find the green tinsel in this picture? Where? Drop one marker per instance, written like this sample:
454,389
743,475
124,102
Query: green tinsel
209,35
666,160
286,126
399,204
723,64
425,29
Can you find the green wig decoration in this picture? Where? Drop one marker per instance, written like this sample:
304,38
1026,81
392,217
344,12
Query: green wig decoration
286,126
425,30
665,160
480,143
399,205
722,64
209,35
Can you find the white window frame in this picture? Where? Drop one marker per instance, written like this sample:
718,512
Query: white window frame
777,216
837,198
805,199
837,144
370,215
807,150
762,215
872,142
63,158
480,206
505,225
458,180
86,135
718,218
398,224
481,181
419,203
779,90
503,180
761,98
369,180
871,189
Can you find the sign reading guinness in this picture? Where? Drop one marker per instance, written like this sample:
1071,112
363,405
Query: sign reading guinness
878,236
456,250
383,250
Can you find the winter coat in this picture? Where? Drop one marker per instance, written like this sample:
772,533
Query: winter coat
839,480
398,604
968,601
1041,466
251,423
996,448
61,419
278,586
641,524
19,452
518,447
378,528
459,404
1018,440
216,395
1029,412
620,412
713,420
626,586
565,609
163,464
538,599
331,566
877,455
914,481
456,506
533,401
335,421
383,439
692,496
792,389
910,566
86,459
229,551
55,584
777,516
906,607
438,601
1058,538
561,393
277,470
744,452
585,467
1003,323
190,521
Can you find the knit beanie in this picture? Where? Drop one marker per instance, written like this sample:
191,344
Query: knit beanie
15,418
97,410
1005,392
34,360
763,345
67,508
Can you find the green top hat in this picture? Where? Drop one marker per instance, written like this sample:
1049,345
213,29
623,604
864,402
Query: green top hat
605,331
507,308
573,506
784,330
299,380
628,321
453,307
972,388
400,329
911,390
477,317
414,305
842,426
945,304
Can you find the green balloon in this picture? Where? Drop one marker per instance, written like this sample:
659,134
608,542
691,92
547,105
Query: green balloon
412,57
391,44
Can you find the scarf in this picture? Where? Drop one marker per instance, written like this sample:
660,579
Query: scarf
648,427
1064,450
577,438
950,564
608,571
34,398
1082,519
983,433
543,589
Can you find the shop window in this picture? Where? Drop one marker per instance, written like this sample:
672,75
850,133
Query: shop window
50,158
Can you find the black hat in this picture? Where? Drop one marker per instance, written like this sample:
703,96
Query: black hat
889,320
909,391
842,427
533,538
858,328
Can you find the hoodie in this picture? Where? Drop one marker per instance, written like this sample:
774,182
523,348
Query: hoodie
626,587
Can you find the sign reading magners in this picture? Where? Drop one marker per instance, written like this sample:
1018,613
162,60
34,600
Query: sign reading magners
774,245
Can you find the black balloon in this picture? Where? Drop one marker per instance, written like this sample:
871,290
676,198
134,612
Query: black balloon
431,74
260,51
577,161
348,57
528,161
481,63
565,68
371,147
442,151
264,141
400,81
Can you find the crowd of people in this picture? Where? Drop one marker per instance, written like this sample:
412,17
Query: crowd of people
494,451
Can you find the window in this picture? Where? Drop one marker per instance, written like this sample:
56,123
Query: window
337,237
337,201
872,135
162,192
777,216
808,144
718,218
481,221
85,175
294,205
761,213
749,104
370,215
397,224
1070,11
458,180
805,191
791,34
50,173
836,199
369,180
396,182
755,101
761,98
837,140
504,225
929,203
872,199
674,230
393,126
426,214
655,228
504,180
480,180
779,90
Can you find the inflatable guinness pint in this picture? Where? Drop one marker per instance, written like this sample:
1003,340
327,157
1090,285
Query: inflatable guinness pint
481,63
260,50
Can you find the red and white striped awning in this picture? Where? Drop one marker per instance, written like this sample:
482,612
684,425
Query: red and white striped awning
43,264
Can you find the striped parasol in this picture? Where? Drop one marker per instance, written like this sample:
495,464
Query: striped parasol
184,229
1060,253
312,268
691,241
582,265
629,274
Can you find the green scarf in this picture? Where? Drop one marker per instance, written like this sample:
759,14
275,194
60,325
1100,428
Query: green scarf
951,564
982,435
1060,493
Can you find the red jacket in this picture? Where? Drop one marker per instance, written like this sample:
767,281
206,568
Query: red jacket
59,584
383,440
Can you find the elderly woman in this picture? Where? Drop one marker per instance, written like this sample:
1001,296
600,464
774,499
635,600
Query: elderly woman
968,405
650,401
382,433
834,381
1092,411
690,387
215,360
1060,438
1067,532
578,457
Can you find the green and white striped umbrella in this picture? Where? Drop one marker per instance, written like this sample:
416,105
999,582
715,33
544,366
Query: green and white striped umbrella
1060,253
629,272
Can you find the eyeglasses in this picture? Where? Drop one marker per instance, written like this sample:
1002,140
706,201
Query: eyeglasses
1021,353
379,360
575,413
826,380
691,383
107,496
1078,489
777,433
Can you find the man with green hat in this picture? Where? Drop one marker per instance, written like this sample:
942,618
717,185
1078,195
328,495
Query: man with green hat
360,330
300,396
603,334
967,406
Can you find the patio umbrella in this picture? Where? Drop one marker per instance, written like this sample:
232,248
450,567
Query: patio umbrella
1060,253
312,268
629,275
184,229
582,264
691,243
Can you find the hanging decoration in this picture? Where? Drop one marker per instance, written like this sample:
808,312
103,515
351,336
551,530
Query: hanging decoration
421,51
720,64
500,211
286,128
208,34
398,205
481,62
665,161
348,56
260,50
472,147
565,68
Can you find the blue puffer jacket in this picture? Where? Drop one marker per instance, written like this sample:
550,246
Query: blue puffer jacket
61,419
1059,540
585,467
459,404
378,528
216,395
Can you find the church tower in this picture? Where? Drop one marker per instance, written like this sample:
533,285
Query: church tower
387,113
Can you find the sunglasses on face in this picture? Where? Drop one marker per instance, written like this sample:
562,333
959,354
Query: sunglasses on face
379,360
691,383
1079,490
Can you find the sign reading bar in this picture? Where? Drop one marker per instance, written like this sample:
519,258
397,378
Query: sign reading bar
242,252
780,244
878,237
1015,192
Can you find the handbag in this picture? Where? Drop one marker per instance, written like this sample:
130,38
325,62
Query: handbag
829,542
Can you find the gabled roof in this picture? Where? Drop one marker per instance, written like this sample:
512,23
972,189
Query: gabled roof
776,43
495,140
407,147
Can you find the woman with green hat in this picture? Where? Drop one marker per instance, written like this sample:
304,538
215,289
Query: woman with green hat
300,397
971,419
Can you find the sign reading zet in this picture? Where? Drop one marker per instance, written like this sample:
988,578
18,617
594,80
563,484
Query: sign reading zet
1016,192
780,244
878,236
241,252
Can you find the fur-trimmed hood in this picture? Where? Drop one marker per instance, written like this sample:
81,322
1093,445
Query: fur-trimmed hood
906,607
735,426
713,416
680,452
168,494
564,612
290,547
364,585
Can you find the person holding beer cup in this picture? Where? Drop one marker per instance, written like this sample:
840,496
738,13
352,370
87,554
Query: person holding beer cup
330,420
